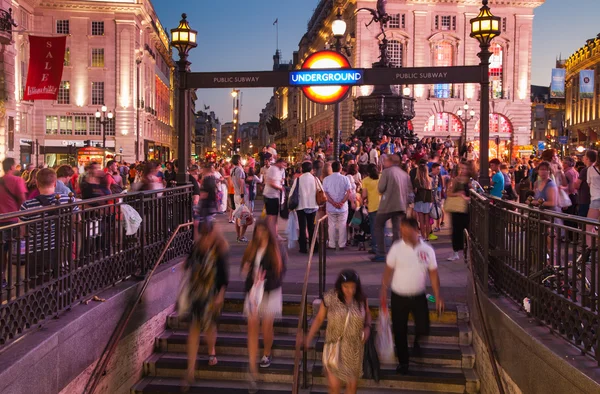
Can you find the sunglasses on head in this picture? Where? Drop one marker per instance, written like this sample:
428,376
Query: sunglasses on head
349,277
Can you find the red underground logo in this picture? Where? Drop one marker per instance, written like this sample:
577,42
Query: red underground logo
325,60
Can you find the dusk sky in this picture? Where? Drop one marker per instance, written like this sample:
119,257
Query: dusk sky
238,35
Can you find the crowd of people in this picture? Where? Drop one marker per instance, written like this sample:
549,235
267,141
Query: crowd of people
413,186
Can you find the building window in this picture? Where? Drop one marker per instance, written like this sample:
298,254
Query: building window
109,127
63,93
23,125
23,78
97,93
443,123
503,24
97,28
496,71
397,21
66,125
67,61
97,57
442,57
95,127
395,52
51,125
445,22
80,125
62,26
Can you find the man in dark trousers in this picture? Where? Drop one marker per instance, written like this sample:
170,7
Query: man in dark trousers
407,266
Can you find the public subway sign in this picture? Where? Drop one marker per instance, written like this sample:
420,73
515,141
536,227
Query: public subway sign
423,75
46,61
318,73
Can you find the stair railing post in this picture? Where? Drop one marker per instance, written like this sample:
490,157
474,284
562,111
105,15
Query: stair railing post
304,353
323,245
321,257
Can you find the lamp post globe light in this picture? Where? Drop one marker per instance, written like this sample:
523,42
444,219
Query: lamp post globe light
485,27
338,29
103,116
465,116
183,38
235,93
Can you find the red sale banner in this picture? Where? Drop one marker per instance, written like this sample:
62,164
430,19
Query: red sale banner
46,61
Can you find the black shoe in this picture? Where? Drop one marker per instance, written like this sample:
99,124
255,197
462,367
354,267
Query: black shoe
417,351
402,369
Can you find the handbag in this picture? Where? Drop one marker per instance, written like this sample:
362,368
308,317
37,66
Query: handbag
332,351
371,366
320,196
455,204
436,211
294,199
563,199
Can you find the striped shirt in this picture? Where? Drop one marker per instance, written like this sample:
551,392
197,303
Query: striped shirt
44,232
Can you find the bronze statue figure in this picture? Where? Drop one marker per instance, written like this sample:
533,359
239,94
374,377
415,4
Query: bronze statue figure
379,15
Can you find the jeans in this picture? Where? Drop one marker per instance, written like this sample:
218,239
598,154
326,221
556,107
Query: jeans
372,216
401,307
305,220
337,222
380,220
460,223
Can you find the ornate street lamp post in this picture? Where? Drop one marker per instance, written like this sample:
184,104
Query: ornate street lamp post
338,28
103,116
465,116
485,27
184,39
236,120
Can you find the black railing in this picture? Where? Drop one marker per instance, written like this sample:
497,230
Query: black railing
321,229
58,256
545,260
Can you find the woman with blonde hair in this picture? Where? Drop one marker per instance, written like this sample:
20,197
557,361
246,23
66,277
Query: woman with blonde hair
423,200
263,264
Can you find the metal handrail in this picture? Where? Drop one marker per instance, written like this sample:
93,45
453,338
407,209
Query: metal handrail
111,346
303,318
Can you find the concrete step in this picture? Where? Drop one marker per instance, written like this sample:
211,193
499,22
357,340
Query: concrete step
436,379
173,365
235,343
459,334
173,386
234,302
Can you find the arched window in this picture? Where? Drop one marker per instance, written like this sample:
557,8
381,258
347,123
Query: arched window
496,71
499,124
443,123
443,57
395,52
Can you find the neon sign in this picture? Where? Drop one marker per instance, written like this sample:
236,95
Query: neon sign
320,89
341,77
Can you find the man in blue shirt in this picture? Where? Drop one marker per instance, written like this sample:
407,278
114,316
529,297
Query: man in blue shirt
497,179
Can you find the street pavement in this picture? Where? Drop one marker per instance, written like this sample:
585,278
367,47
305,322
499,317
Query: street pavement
454,275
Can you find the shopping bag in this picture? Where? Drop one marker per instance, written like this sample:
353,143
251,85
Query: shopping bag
243,215
292,230
563,199
384,341
371,365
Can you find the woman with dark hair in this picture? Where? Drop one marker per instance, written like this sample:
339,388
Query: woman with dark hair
307,185
263,264
349,321
424,200
371,197
208,280
31,183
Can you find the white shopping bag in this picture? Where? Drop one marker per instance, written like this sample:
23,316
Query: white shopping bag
384,340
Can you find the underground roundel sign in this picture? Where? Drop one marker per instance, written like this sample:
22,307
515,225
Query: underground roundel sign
321,89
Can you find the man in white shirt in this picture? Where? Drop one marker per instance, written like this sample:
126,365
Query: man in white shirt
408,263
273,152
337,189
273,191
238,178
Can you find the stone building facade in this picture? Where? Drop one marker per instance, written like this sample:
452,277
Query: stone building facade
583,114
117,55
425,33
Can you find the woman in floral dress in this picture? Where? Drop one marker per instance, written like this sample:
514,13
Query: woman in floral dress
347,312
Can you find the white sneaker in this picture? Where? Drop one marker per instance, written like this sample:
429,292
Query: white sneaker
454,257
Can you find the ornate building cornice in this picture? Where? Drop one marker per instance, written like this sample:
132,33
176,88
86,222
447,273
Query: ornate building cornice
585,57
492,3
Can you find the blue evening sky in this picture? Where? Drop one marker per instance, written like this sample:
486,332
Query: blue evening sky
238,35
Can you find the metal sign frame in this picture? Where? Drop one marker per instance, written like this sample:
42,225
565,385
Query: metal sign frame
371,76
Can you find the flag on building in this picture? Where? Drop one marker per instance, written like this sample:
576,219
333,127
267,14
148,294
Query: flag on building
46,61
276,22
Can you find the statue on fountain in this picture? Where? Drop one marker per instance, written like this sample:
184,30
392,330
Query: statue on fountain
380,16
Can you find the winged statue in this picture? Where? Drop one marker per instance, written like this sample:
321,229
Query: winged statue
379,15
